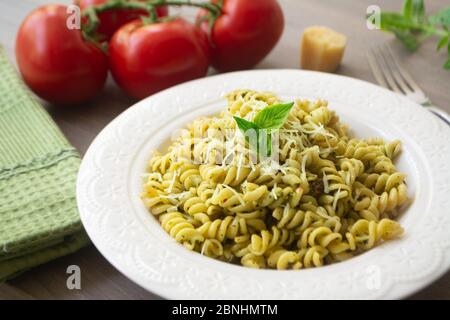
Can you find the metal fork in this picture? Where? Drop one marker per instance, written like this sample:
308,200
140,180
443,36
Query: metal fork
392,75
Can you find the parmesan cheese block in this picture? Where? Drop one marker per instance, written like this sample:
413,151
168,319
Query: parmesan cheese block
322,49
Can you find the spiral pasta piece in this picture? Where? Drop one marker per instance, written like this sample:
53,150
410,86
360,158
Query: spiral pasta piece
312,257
282,259
382,182
212,248
228,228
322,236
180,229
368,233
266,240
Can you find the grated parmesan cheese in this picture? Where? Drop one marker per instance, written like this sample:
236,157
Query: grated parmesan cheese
238,175
303,173
347,178
336,198
176,196
326,187
241,200
273,191
172,182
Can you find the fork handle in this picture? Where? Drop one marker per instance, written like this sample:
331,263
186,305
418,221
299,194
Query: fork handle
443,115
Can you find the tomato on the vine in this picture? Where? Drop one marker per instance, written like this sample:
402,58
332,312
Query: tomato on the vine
55,61
113,19
146,58
244,33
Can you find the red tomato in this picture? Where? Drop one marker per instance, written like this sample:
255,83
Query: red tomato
56,62
245,33
112,20
146,58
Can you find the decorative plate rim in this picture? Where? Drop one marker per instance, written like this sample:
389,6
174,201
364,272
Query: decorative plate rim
137,246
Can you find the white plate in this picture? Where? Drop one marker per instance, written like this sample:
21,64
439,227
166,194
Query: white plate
110,181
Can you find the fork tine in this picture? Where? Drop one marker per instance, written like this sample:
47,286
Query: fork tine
405,74
376,70
394,67
387,72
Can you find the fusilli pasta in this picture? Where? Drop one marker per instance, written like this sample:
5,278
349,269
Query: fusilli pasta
325,197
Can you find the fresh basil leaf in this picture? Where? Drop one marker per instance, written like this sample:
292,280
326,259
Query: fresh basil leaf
389,20
408,40
434,20
442,42
407,9
447,64
441,18
411,26
245,125
414,10
273,117
418,11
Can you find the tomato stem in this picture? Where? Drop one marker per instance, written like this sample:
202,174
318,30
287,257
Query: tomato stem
93,21
211,7
89,29
91,13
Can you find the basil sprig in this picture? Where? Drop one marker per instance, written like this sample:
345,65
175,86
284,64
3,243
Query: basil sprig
411,26
266,121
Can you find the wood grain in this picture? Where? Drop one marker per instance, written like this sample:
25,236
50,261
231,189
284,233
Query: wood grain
99,279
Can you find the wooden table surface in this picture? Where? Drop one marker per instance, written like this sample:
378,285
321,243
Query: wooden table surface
99,280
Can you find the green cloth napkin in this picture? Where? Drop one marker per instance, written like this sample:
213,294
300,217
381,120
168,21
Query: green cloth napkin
39,219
